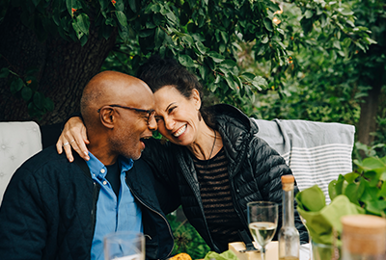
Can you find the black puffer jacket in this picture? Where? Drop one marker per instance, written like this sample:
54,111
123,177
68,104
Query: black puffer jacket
255,171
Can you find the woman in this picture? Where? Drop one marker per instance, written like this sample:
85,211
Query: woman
213,156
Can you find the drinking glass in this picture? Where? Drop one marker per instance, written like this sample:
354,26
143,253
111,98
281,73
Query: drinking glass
262,217
124,245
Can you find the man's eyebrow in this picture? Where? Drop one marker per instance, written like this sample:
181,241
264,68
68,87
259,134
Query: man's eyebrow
169,106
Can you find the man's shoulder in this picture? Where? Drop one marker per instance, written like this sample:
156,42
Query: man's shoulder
47,160
48,155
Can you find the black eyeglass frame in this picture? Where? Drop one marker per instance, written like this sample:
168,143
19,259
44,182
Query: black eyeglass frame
149,112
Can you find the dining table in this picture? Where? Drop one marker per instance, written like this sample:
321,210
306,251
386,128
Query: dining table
238,248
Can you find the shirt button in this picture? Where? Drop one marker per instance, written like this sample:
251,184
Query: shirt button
104,182
103,171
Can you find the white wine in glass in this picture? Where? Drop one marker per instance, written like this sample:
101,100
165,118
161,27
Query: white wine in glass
263,220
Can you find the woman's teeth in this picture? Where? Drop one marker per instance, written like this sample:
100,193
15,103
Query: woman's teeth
180,131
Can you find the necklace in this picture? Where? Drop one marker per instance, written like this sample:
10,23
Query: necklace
213,145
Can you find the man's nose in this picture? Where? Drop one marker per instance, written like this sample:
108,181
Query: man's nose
152,125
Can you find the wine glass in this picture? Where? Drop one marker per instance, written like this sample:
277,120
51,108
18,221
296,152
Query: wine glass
124,245
262,217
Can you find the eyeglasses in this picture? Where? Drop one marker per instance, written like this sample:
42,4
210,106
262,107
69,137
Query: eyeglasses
150,113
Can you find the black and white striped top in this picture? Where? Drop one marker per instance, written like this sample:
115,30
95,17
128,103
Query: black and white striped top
215,190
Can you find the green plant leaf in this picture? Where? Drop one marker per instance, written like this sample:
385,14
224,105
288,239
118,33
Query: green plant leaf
311,199
83,23
351,177
38,100
376,206
186,61
133,5
268,24
216,57
72,4
200,47
308,14
26,93
351,192
16,85
121,17
4,73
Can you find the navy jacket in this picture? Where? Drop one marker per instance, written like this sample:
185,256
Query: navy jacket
48,210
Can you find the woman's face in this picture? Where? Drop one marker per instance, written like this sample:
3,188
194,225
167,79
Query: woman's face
177,117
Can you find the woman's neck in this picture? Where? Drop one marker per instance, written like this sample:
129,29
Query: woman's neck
208,142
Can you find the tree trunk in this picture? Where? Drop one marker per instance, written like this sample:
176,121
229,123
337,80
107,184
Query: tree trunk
63,68
369,110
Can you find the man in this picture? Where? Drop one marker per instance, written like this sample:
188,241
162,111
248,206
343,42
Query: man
54,209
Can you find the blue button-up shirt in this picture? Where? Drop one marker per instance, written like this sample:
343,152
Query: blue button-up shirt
122,214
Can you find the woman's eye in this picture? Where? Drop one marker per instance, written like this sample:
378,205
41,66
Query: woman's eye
171,110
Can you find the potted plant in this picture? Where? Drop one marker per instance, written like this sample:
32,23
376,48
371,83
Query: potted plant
362,191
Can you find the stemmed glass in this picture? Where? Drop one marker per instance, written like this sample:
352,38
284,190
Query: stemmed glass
262,217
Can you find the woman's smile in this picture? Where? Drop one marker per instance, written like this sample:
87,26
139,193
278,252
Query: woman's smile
180,131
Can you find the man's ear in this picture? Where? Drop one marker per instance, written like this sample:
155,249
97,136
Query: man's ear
106,116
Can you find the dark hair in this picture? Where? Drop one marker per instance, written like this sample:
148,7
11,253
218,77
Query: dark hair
158,72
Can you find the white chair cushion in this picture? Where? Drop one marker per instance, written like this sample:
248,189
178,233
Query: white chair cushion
18,142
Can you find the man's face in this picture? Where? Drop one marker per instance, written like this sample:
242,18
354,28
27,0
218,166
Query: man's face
132,127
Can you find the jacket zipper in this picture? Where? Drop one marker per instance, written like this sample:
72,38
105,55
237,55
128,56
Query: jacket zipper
166,221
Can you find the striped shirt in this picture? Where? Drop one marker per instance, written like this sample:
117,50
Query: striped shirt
215,190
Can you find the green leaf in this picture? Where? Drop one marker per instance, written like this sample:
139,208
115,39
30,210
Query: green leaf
373,163
259,82
38,100
77,30
83,40
83,23
268,24
375,206
311,199
70,4
26,93
171,16
202,71
228,64
186,61
119,5
103,4
16,85
351,177
336,44
133,5
308,14
200,47
121,18
351,192
159,37
35,2
4,73
216,57
224,36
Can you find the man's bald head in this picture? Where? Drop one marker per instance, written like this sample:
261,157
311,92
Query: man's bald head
107,88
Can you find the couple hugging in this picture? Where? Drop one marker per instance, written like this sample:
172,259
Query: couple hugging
61,205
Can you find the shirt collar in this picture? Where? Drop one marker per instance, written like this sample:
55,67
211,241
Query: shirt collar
99,170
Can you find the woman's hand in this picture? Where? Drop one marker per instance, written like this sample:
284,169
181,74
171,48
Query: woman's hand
73,136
